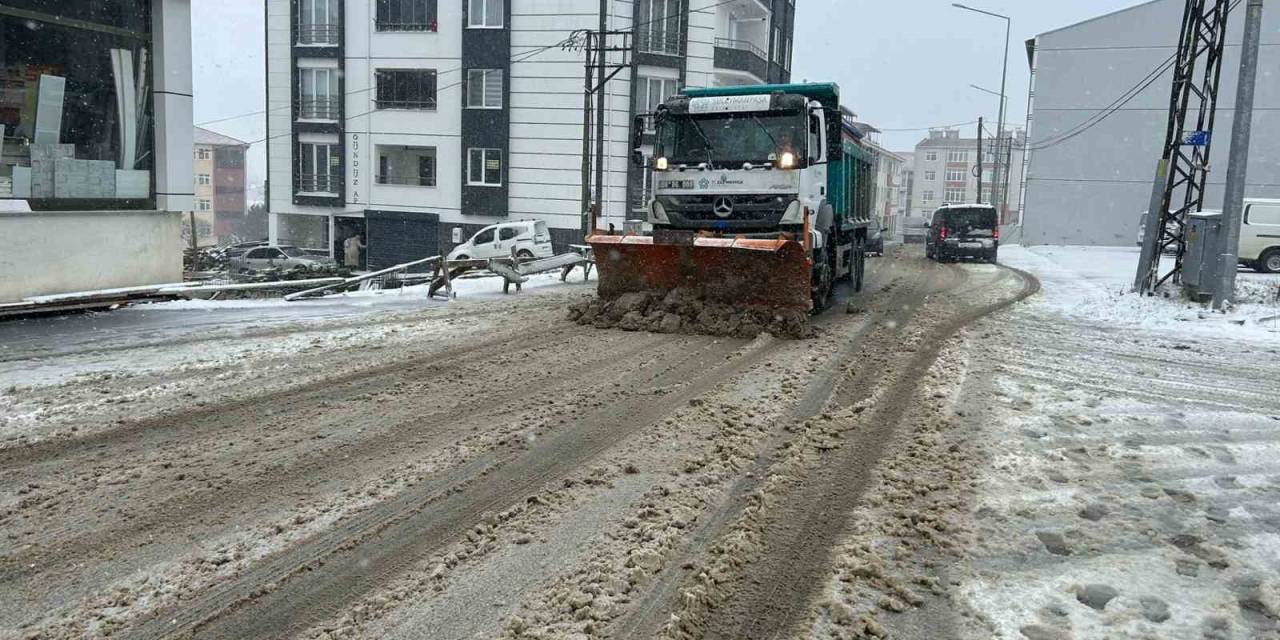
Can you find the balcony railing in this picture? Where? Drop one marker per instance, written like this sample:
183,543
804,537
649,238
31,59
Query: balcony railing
658,41
428,104
318,108
318,182
740,55
742,45
411,181
326,34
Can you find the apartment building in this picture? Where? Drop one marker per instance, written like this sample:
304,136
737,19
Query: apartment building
945,171
219,165
906,177
416,122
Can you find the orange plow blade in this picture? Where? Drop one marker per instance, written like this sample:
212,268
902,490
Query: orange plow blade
741,272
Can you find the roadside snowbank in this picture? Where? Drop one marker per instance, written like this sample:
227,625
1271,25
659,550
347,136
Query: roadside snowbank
1092,284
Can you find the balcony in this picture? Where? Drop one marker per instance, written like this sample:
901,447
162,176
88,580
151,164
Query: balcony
658,41
322,183
742,57
318,34
318,108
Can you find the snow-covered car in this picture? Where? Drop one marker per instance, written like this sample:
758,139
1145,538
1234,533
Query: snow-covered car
528,238
280,258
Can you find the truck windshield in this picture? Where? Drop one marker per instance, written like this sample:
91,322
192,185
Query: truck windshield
729,139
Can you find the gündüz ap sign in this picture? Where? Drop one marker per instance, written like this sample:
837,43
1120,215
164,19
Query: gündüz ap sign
729,104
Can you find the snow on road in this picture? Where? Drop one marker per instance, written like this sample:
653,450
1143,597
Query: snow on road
1133,482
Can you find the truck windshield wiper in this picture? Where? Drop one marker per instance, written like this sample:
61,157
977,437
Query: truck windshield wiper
709,148
765,129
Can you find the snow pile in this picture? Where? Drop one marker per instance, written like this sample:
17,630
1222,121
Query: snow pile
687,311
1093,284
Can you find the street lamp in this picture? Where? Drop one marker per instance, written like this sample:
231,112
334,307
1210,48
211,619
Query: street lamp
1004,76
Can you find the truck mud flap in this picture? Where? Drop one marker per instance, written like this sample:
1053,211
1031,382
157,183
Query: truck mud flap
744,272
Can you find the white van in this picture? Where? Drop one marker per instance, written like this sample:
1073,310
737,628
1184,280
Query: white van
1260,235
529,238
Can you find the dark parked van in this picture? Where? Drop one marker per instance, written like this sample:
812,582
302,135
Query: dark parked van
963,230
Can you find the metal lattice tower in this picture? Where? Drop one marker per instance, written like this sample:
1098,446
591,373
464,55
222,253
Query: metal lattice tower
1184,165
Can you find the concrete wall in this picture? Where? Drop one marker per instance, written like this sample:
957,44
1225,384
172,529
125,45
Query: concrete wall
1091,189
94,249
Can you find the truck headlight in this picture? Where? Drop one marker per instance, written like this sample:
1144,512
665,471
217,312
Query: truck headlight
658,213
787,160
660,164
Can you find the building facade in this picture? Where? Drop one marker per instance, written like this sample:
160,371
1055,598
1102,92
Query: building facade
219,176
1091,164
416,122
945,172
905,179
96,112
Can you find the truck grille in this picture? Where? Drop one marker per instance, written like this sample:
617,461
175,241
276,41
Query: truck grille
765,206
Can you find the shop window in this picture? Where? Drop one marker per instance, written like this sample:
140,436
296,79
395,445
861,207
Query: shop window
74,106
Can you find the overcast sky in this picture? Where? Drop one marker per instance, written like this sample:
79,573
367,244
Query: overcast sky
903,64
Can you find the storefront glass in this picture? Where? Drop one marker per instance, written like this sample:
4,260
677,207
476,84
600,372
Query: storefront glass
75,103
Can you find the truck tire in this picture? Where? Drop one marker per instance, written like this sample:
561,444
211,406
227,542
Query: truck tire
823,280
1269,261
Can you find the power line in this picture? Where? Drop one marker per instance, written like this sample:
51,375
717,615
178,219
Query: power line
939,126
1109,110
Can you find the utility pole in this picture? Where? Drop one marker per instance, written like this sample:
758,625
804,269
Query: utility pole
602,97
1004,77
1238,166
598,71
1180,172
979,160
589,48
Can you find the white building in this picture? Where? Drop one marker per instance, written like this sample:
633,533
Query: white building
96,110
416,122
1091,167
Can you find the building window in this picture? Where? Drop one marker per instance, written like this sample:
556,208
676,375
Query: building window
484,88
203,178
202,205
75,106
786,54
411,166
485,14
659,27
777,44
927,196
931,156
317,94
318,167
931,175
651,92
954,195
957,156
318,22
406,15
484,167
955,175
407,89
203,154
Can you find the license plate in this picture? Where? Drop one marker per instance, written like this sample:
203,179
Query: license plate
971,245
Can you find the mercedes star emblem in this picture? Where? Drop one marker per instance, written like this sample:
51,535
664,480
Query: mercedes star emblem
723,207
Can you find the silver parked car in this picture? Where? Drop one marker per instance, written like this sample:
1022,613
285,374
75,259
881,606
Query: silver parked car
280,258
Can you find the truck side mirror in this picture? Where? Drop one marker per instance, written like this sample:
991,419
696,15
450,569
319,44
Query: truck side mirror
637,140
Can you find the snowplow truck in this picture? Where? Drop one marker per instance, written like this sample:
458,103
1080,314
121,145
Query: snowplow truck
761,197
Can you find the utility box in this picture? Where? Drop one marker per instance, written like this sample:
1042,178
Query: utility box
1200,264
